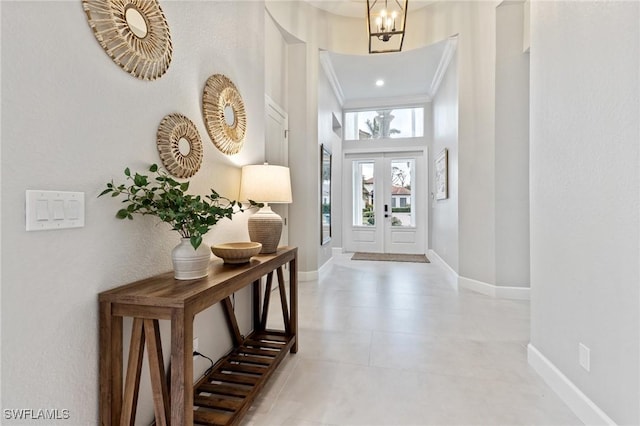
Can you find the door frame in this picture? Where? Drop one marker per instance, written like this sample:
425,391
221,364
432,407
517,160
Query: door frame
422,180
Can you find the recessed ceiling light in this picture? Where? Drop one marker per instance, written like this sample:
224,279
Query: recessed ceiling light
380,83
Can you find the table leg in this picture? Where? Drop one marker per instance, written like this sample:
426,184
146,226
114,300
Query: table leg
256,304
181,368
134,368
293,301
110,366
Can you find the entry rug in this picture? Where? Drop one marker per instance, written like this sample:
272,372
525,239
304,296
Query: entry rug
391,257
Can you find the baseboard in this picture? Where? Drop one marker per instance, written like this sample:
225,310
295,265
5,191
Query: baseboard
434,256
578,402
497,291
307,276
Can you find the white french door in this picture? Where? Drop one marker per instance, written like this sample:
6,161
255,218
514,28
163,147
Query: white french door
387,203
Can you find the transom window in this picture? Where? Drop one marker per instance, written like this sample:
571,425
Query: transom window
384,123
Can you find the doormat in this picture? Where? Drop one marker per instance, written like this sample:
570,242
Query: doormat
391,257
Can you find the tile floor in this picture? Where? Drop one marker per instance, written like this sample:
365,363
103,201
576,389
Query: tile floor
385,343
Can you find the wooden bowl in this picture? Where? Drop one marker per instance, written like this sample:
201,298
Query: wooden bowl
235,253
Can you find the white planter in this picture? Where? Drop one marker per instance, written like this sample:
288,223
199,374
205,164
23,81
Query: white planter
189,264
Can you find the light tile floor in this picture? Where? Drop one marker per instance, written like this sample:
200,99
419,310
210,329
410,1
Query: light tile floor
385,343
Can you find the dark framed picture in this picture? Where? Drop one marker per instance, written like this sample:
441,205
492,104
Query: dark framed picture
442,186
325,195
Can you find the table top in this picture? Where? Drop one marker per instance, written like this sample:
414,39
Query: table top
164,291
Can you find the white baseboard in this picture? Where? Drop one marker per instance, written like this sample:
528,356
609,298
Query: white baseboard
578,402
434,256
307,275
497,291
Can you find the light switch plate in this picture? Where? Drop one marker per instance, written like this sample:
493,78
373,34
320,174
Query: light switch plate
47,210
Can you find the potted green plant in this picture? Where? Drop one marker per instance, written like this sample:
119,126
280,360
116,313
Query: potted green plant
191,216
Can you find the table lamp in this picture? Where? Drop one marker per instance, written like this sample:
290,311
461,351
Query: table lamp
268,184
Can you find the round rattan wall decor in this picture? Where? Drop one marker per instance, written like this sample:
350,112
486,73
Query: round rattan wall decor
224,114
179,145
134,33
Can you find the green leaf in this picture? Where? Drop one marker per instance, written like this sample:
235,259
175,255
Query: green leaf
106,191
127,172
184,186
122,213
196,240
140,180
153,168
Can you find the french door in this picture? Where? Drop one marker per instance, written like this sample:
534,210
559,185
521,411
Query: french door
387,211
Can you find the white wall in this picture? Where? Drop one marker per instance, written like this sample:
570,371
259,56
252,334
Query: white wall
304,212
72,120
276,58
585,196
444,231
328,107
512,148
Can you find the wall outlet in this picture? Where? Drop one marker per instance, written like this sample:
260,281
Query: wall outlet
584,357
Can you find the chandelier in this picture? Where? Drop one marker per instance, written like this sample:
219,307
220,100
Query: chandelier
385,24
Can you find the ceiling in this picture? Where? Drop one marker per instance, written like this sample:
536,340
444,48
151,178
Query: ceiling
357,8
405,74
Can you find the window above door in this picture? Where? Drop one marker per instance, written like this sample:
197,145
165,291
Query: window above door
384,123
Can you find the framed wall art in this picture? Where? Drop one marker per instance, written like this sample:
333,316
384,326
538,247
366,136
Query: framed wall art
325,195
134,33
224,114
179,145
441,167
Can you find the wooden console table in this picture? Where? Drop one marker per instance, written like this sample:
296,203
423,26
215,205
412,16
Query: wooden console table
225,394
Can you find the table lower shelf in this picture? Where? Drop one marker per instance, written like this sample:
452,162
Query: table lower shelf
224,395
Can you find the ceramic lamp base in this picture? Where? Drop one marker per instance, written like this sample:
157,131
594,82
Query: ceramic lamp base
265,227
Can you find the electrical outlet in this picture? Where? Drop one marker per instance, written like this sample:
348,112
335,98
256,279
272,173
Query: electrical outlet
584,357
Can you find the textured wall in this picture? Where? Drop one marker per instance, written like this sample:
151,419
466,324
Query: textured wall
444,213
72,120
328,106
512,148
585,196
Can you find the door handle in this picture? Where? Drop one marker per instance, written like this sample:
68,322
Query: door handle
386,210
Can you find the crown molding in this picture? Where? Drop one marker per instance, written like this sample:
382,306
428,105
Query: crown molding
387,102
327,65
445,60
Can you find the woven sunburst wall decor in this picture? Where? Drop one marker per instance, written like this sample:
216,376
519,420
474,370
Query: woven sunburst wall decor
134,33
224,114
179,145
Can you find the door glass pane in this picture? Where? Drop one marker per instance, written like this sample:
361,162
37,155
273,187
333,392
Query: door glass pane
363,184
402,193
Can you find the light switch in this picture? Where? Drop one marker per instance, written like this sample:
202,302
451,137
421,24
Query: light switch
73,210
54,210
58,209
42,210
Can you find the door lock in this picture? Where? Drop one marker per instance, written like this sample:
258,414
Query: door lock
386,210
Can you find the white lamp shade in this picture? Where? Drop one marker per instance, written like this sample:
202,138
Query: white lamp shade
265,183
